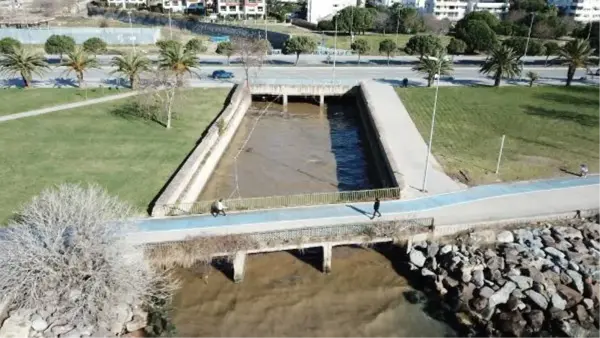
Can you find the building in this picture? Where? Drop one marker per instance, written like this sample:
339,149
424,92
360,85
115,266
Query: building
318,10
453,10
241,8
579,10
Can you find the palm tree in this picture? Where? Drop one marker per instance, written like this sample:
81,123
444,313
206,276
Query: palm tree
432,66
532,76
177,59
23,62
574,54
78,61
503,62
131,65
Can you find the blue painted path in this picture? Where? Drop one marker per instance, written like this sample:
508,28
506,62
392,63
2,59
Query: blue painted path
343,210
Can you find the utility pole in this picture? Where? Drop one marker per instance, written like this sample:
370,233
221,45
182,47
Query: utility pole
529,35
334,48
397,27
131,31
266,9
170,26
437,88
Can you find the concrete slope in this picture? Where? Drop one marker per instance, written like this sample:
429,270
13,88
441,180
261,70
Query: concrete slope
404,144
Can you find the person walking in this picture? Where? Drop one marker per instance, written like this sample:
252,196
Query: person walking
218,208
376,208
583,170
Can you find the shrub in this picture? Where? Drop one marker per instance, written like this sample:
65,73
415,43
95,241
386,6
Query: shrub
59,44
164,44
8,44
195,45
94,45
456,46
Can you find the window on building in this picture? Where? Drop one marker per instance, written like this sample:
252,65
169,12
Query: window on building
223,9
232,8
260,9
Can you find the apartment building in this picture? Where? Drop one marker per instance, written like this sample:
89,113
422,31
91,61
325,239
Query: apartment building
453,10
580,10
318,10
241,8
173,5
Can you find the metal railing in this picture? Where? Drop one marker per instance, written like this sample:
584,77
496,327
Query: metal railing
274,202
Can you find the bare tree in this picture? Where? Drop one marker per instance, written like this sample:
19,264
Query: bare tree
436,26
159,92
49,8
66,252
516,16
252,55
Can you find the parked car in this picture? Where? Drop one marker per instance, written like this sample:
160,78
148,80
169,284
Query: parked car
222,74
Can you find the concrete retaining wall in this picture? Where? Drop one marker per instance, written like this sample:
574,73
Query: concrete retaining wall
191,177
299,90
190,23
386,166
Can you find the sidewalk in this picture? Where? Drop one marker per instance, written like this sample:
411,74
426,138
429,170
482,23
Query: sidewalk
66,106
477,204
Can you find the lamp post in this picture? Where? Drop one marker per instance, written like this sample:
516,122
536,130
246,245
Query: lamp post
131,31
437,88
527,43
334,47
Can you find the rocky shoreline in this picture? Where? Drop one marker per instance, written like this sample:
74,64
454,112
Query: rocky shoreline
540,280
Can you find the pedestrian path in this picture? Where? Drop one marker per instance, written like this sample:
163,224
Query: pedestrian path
462,197
66,106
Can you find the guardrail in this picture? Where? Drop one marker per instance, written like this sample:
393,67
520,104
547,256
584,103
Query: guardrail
287,201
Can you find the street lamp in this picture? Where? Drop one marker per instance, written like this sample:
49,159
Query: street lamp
437,88
334,47
527,43
131,31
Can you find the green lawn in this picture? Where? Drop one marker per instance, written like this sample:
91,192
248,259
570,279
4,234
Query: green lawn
131,158
17,100
547,128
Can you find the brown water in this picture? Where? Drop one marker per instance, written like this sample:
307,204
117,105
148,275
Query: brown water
301,151
282,295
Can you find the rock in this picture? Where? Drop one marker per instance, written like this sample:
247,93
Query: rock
432,249
559,315
478,278
582,316
552,276
478,304
571,296
558,302
501,296
15,327
511,257
565,278
486,292
563,246
505,237
445,249
513,303
573,266
450,282
523,235
572,329
535,275
577,280
513,272
537,298
417,258
38,323
422,245
136,323
74,294
548,240
426,272
522,282
562,262
554,252
495,263
518,294
594,244
511,323
61,329
588,303
467,292
567,232
71,334
535,318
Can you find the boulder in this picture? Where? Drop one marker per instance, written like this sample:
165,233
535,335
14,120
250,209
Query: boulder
512,304
583,317
548,240
567,232
432,249
445,249
449,282
501,296
535,318
495,263
505,237
588,303
522,282
571,296
552,276
559,315
537,298
15,327
577,280
486,292
558,302
511,323
38,323
478,304
563,245
478,278
554,252
417,258
421,245
523,235
573,266
518,293
136,323
61,329
427,273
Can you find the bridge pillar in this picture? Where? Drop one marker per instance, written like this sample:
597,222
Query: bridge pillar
239,264
285,102
327,249
322,101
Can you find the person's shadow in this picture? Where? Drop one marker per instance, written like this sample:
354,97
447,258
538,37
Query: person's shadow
368,214
567,171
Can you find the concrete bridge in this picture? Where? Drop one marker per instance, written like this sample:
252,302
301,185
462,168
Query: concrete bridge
285,90
433,216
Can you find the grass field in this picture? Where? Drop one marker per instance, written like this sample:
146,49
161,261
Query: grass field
131,158
17,100
547,129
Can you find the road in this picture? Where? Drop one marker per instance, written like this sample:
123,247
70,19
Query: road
57,77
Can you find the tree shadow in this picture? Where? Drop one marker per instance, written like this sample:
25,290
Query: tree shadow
564,115
60,82
17,82
570,99
311,256
134,111
467,82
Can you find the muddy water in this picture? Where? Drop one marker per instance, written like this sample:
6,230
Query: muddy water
283,295
301,151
